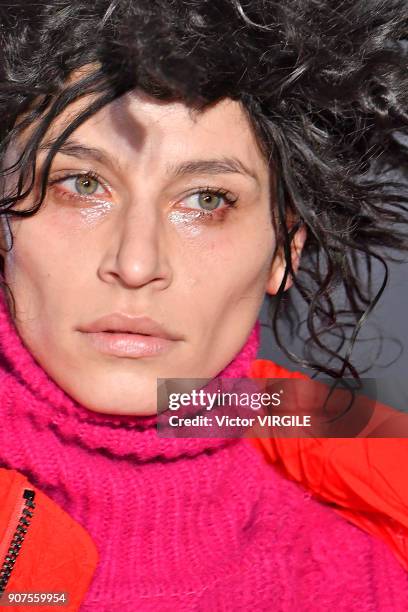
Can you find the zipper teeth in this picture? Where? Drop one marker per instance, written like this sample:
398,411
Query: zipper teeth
17,539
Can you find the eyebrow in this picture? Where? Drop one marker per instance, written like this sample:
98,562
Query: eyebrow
222,165
75,149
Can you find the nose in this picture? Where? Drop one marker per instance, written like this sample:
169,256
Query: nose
136,252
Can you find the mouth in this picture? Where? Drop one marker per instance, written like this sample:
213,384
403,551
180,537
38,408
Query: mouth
128,344
127,335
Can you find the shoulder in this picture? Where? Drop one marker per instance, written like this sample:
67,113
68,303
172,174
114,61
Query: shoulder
359,478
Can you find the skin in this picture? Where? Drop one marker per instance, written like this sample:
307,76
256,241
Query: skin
141,245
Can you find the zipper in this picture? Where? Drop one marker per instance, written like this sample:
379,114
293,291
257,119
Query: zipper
25,513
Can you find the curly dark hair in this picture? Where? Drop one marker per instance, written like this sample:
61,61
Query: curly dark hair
325,87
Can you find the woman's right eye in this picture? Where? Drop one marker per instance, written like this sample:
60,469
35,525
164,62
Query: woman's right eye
79,186
83,184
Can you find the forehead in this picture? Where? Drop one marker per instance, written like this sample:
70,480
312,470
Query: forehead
137,125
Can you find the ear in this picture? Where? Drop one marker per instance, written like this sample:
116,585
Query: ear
5,236
278,265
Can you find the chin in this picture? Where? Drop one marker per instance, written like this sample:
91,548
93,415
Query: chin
110,392
124,403
137,408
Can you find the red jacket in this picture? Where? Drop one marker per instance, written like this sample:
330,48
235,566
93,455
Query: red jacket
363,478
57,554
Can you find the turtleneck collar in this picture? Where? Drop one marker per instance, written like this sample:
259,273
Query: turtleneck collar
49,406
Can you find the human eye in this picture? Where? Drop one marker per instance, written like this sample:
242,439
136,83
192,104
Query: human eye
209,201
80,185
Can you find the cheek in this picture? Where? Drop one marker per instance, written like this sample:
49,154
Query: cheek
225,276
34,264
237,258
44,244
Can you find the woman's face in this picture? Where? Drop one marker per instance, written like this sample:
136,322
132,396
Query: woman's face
125,231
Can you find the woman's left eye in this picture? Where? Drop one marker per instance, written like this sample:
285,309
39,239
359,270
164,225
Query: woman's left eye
206,200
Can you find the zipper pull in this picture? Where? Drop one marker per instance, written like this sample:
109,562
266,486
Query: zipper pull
17,539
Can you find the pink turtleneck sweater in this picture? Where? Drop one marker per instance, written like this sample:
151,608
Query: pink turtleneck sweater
185,524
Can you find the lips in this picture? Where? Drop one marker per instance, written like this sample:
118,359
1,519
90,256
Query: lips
124,335
128,324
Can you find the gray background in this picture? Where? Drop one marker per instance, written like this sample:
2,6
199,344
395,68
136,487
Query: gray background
390,318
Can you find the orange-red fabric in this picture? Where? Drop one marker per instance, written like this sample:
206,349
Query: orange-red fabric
363,478
57,555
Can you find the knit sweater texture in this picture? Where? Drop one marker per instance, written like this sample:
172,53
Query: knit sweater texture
185,524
